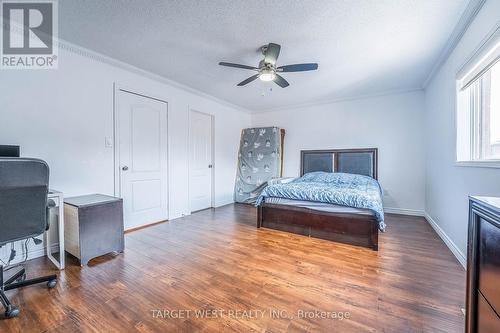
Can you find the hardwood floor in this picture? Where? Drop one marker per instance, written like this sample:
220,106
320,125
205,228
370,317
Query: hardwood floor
216,260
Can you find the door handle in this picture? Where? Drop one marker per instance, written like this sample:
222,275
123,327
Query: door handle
124,168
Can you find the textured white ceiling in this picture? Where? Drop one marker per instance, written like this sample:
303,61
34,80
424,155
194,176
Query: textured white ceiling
363,47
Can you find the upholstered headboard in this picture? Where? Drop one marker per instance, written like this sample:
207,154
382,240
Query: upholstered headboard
361,161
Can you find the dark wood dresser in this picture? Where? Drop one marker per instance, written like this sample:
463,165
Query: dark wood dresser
483,266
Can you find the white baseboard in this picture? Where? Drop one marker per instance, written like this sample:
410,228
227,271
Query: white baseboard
462,259
404,211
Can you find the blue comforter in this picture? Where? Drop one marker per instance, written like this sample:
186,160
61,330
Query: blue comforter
335,188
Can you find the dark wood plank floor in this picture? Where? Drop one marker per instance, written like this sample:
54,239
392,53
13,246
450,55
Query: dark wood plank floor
253,281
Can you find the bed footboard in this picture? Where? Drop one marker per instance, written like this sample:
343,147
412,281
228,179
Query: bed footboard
348,228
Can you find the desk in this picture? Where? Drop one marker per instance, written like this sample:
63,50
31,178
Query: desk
58,198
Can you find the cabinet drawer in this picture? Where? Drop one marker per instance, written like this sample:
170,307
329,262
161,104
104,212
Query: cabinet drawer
487,319
489,262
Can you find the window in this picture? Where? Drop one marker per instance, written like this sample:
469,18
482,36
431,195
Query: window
478,110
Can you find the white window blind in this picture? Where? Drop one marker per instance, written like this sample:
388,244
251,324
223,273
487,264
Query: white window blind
478,106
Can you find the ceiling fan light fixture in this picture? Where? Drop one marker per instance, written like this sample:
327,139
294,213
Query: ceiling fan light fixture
267,70
267,75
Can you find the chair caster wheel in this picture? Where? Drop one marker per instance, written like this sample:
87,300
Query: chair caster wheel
12,312
52,283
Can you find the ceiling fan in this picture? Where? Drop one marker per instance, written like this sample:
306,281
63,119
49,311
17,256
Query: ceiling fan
267,70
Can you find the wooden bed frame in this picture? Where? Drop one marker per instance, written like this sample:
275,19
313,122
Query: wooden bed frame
349,228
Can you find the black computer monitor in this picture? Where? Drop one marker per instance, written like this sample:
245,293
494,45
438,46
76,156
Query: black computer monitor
9,151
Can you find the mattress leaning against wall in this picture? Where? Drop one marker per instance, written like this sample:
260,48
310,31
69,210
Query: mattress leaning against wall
260,159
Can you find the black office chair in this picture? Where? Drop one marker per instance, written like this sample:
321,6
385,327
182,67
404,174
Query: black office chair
24,184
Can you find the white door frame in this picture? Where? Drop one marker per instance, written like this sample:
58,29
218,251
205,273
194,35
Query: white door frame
116,131
212,144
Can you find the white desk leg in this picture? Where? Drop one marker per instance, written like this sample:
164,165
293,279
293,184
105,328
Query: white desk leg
61,233
49,250
59,264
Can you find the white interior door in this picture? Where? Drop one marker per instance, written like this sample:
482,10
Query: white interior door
200,162
142,161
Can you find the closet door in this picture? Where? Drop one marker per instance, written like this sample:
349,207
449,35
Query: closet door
200,160
142,134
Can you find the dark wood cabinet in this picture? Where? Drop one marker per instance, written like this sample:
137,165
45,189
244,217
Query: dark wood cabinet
483,266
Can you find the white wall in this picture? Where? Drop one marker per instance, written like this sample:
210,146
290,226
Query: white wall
393,124
447,185
64,115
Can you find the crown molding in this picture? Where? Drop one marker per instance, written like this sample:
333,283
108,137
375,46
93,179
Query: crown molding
340,100
463,24
99,57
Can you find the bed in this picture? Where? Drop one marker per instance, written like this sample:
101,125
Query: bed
336,198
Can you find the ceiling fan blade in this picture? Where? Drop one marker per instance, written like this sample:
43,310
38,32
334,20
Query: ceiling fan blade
229,64
250,79
272,53
280,81
298,67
